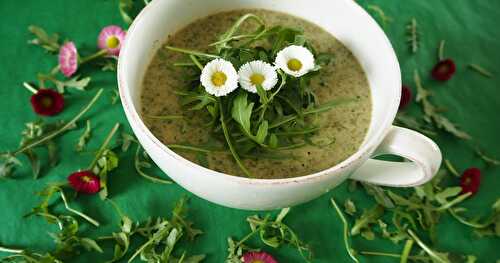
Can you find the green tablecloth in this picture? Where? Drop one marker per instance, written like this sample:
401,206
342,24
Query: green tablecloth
469,27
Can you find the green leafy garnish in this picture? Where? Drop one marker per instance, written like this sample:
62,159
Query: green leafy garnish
38,134
163,235
413,35
347,245
362,225
43,208
256,124
48,42
273,233
432,113
386,20
76,82
82,141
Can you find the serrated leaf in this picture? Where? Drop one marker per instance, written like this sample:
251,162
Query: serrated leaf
34,161
242,111
49,43
262,132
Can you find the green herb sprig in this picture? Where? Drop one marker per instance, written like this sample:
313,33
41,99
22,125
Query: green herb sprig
273,233
38,134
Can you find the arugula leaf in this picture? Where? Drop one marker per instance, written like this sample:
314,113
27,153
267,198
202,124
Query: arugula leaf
125,7
242,112
379,194
432,114
350,251
141,162
386,20
362,225
49,42
82,141
273,233
7,164
163,237
349,207
61,85
413,35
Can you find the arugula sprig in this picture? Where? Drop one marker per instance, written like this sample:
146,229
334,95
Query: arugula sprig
163,236
48,42
273,233
432,113
47,194
68,242
39,134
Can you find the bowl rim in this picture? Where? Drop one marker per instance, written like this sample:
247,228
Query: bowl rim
363,152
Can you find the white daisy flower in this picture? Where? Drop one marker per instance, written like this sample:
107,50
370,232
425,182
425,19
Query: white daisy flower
219,77
255,73
295,60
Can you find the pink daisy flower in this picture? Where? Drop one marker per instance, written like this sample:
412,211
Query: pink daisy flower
85,182
68,59
258,257
111,39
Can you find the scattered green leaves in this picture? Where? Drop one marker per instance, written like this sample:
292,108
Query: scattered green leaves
39,134
49,42
432,113
413,35
83,139
273,233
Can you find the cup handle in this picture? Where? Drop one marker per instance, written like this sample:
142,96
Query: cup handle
423,154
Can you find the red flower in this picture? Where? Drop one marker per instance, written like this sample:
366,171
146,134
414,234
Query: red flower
444,70
258,257
47,102
406,97
470,180
85,182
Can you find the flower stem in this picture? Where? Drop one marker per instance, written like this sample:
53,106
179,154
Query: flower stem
104,145
30,88
406,251
96,55
228,140
84,216
62,129
429,251
453,202
11,250
371,253
191,52
346,231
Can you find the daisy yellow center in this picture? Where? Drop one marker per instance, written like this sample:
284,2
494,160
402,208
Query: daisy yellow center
294,64
86,179
112,42
47,102
257,79
219,78
257,261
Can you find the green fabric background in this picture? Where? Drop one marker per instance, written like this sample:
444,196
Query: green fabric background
469,27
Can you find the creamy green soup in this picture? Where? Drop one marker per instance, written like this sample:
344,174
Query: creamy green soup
343,128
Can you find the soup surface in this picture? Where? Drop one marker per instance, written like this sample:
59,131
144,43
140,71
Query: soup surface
343,128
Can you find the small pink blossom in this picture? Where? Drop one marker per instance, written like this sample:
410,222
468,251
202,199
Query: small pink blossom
111,39
258,257
68,59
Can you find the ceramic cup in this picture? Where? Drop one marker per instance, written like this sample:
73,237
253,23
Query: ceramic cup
350,24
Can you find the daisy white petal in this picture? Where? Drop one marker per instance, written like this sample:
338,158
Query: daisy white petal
295,60
219,77
255,73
